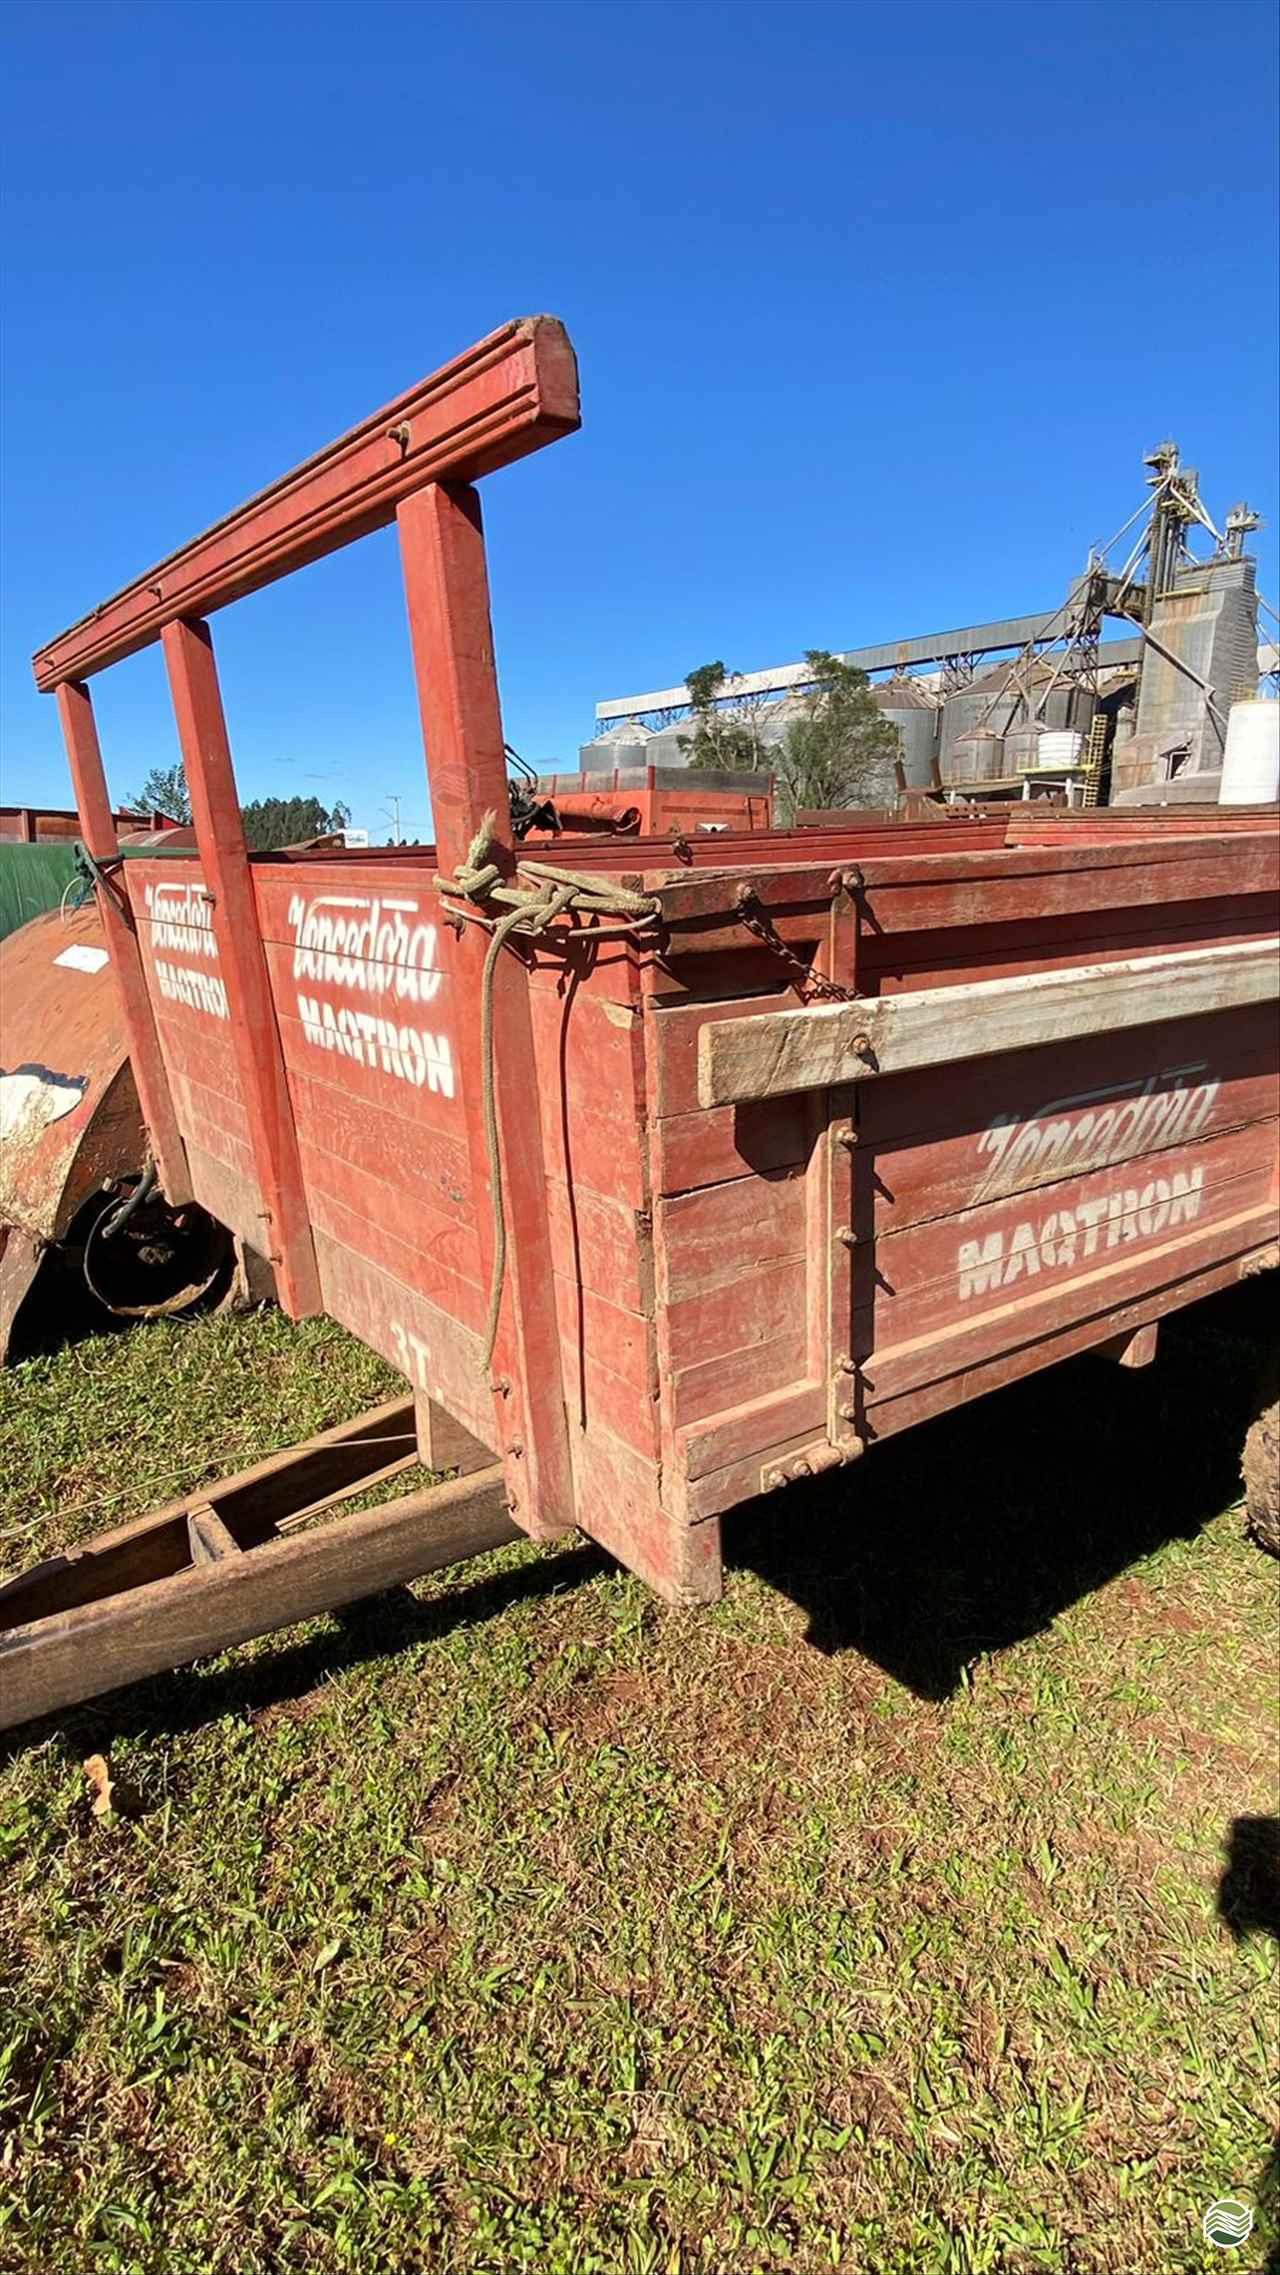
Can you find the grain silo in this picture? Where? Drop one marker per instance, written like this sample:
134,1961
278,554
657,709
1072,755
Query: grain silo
914,712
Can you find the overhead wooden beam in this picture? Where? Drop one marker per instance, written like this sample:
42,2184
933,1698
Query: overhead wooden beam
820,1045
505,397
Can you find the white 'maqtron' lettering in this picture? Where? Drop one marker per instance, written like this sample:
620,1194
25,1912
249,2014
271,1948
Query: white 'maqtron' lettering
1067,1236
407,1052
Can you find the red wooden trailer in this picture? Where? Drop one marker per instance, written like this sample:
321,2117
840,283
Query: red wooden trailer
667,1175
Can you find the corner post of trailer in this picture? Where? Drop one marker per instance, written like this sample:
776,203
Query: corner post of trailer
255,1037
447,589
98,829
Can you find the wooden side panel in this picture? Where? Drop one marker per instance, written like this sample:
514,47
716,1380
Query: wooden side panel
1068,1179
740,1278
588,1050
182,969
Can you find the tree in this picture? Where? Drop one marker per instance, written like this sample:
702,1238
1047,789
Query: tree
722,737
163,792
270,823
838,748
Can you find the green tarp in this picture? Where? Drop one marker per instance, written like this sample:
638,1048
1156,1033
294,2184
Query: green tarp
32,879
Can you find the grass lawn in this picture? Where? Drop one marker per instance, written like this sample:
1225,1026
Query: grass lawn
872,1920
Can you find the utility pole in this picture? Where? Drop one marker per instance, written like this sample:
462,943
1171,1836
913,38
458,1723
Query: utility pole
393,818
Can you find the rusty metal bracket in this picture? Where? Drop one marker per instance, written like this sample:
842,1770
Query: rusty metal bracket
811,1462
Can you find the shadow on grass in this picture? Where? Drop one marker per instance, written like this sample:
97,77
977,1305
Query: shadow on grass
961,1537
194,1696
1249,1891
974,1531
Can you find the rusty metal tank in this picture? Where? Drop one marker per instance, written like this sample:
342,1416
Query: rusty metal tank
73,1149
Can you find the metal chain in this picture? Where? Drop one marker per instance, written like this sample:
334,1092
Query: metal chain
754,918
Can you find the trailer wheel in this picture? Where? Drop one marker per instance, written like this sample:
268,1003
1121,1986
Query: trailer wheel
1261,1466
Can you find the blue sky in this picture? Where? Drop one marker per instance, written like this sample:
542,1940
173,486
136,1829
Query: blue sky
876,309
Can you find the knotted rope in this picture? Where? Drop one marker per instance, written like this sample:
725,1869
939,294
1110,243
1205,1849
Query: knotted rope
530,907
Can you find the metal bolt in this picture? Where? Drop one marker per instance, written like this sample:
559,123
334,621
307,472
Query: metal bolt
500,1385
847,1237
516,1449
844,1364
847,1413
862,1045
847,1138
743,896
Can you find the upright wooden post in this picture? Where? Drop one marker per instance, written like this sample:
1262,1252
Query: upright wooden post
442,551
98,829
224,858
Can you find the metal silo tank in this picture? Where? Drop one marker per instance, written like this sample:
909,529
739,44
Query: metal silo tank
622,745
915,716
977,756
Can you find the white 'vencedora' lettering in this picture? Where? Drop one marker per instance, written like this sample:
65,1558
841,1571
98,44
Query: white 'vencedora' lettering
1069,1236
377,947
380,947
1071,1135
407,1052
181,920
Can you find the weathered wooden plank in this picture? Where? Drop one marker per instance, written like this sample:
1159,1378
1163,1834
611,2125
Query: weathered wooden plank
1021,1136
435,1352
727,1437
894,962
721,1237
933,892
400,1148
619,1494
393,1072
248,1503
73,1655
713,1321
939,1336
441,1279
712,1144
768,1362
962,1376
822,1044
231,1198
209,1538
675,1033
